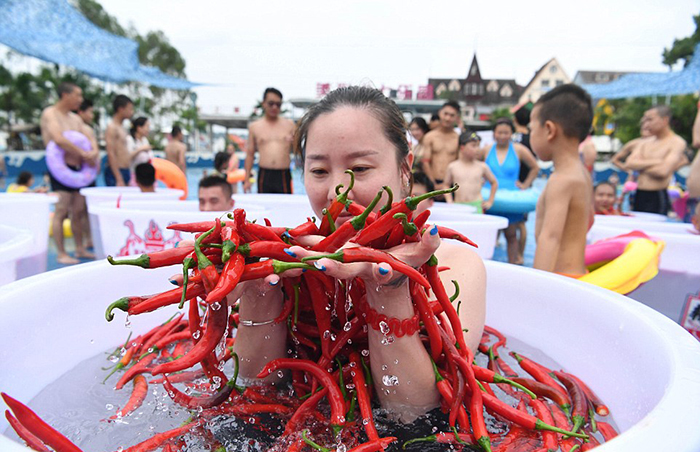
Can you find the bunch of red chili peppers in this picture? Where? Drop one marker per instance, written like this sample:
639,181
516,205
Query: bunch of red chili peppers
327,335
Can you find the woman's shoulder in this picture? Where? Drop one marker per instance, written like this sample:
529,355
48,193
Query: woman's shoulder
459,258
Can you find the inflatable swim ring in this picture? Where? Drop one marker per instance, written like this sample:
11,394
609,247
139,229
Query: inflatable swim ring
235,176
169,173
623,262
629,186
57,165
513,201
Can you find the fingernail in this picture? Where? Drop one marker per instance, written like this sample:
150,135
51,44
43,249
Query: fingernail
383,271
434,231
176,244
319,266
274,283
303,270
290,252
173,282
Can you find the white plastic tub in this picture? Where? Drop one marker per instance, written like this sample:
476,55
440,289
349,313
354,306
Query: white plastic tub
97,195
481,229
29,212
645,367
282,210
632,218
14,244
443,208
140,226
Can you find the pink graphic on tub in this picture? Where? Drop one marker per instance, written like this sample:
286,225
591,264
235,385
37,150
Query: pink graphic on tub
152,240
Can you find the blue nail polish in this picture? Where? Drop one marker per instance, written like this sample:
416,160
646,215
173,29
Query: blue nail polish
290,252
383,271
319,266
434,231
173,282
274,283
176,244
303,270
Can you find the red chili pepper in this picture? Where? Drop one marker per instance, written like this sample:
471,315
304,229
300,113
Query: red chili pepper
445,390
335,397
164,331
358,379
140,305
607,430
302,413
439,290
347,230
337,206
258,270
549,438
372,446
207,270
296,445
538,373
492,377
447,233
444,438
200,226
291,298
579,404
35,425
156,259
138,395
420,298
230,240
187,401
308,228
561,420
137,369
544,390
217,321
230,276
266,248
598,404
364,254
26,436
172,338
319,302
262,232
158,439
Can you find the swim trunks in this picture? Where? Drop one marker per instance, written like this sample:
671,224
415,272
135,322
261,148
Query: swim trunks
274,181
58,186
652,201
476,204
440,198
111,181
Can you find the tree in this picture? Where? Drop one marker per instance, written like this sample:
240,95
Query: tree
683,48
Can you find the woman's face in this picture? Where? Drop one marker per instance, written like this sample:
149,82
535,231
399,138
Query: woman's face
416,131
145,129
502,134
604,197
349,138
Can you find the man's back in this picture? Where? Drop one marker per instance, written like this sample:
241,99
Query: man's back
175,152
441,148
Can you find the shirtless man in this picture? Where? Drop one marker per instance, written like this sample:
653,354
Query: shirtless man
656,160
55,120
175,150
693,180
118,158
87,114
271,136
441,144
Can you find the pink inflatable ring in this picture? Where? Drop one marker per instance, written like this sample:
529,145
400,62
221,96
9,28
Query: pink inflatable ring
56,162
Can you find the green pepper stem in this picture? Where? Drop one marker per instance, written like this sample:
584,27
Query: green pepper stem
408,227
142,261
187,263
425,439
456,294
337,256
438,377
485,443
232,382
341,382
202,260
389,201
281,266
310,442
350,415
497,378
359,221
541,425
343,197
329,219
122,303
412,202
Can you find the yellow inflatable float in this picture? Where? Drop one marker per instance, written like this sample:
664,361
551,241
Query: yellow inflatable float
623,262
67,230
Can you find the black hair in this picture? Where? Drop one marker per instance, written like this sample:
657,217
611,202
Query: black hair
136,123
363,98
605,182
420,177
468,136
176,131
86,105
420,122
274,91
434,117
216,181
569,106
453,104
221,159
65,88
502,122
120,101
145,174
24,178
522,116
663,110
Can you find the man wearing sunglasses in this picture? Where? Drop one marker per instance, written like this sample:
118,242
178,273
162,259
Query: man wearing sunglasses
271,136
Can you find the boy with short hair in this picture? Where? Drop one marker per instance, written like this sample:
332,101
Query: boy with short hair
561,120
470,173
145,177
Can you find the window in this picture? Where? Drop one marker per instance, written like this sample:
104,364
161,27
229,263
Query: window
440,89
553,69
492,87
475,88
506,91
545,83
559,82
455,86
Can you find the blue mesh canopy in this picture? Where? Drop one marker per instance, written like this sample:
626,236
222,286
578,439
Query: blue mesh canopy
685,81
54,31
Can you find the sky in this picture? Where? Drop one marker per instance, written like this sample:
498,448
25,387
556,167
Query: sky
240,48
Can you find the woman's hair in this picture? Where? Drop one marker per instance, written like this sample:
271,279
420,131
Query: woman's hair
420,122
360,97
221,160
504,121
24,178
136,123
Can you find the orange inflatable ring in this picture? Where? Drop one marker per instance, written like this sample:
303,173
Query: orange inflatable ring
235,176
169,173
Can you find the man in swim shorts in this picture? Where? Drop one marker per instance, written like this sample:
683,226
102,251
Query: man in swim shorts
118,159
215,194
656,160
271,136
175,149
87,114
55,120
440,145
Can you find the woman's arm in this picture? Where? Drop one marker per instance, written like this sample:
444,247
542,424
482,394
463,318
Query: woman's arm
528,159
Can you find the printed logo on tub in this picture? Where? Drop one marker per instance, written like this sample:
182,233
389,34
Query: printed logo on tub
690,319
152,241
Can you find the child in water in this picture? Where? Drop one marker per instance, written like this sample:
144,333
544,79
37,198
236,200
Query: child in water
561,119
604,198
470,174
24,182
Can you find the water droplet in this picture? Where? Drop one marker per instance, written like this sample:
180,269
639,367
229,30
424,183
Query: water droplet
434,429
347,326
365,352
341,448
127,322
216,306
109,406
326,334
196,334
384,367
113,358
349,341
280,374
350,386
333,336
396,361
267,337
251,420
384,327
